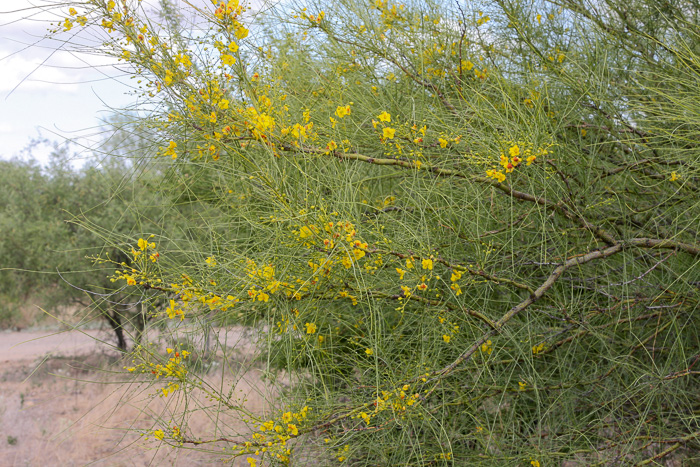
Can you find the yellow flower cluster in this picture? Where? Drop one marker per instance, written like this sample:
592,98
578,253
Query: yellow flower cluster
514,159
174,368
398,401
539,348
272,436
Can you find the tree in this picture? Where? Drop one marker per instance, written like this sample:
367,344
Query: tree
470,235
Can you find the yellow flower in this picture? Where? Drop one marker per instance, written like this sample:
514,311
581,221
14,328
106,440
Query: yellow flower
159,434
674,176
443,142
241,33
456,275
369,351
427,263
72,12
263,297
310,328
168,80
446,338
521,386
537,348
227,59
401,272
307,231
268,272
497,174
81,20
253,462
171,149
342,111
467,65
514,150
486,347
389,133
530,159
384,117
535,463
365,417
358,253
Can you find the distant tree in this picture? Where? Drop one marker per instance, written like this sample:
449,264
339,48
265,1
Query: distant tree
55,220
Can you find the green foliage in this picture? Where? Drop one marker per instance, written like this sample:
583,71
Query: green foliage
467,236
46,252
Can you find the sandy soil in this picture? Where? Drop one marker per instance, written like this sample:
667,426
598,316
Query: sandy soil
61,403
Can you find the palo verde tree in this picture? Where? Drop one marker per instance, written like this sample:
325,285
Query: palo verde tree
468,231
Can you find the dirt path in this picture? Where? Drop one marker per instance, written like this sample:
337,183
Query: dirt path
23,346
59,404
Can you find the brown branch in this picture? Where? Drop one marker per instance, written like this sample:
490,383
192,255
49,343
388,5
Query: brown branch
670,449
552,279
539,293
559,207
599,232
661,243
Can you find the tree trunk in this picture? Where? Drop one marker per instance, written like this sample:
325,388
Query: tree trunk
115,321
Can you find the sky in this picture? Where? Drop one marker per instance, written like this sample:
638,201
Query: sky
49,91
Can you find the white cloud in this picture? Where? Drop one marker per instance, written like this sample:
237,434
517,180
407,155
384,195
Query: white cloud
28,74
7,128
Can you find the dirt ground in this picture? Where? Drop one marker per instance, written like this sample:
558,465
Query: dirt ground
61,403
